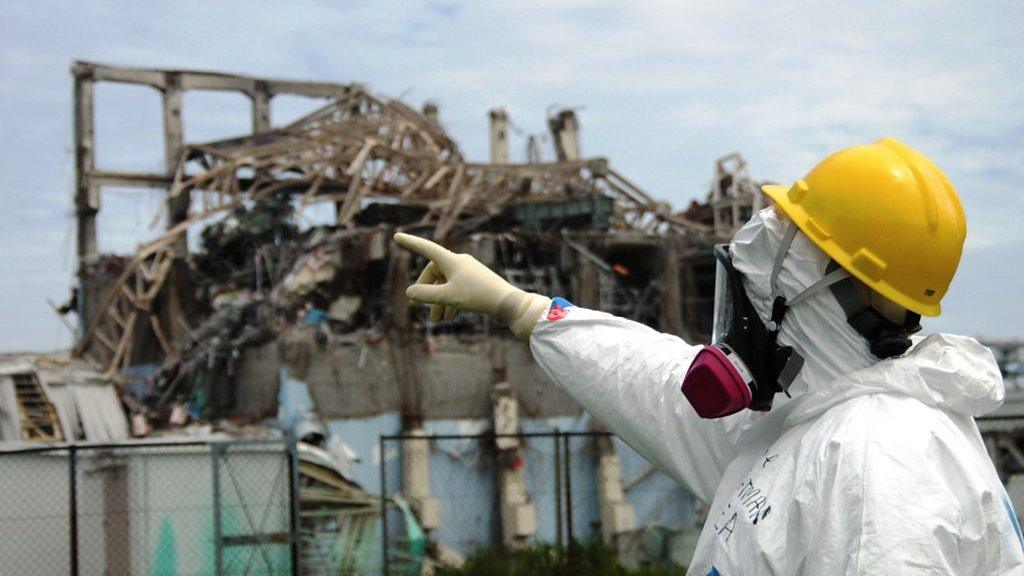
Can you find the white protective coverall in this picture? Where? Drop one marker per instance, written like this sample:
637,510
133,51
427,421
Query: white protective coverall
873,467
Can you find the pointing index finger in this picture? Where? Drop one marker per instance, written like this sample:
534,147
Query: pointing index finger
429,250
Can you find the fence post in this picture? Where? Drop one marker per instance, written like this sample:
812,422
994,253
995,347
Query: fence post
73,507
293,485
568,495
558,488
383,509
216,450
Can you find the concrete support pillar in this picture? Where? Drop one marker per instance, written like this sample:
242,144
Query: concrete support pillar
87,194
671,288
565,133
617,516
499,136
430,111
117,543
260,108
533,155
716,210
87,197
401,344
586,284
518,513
179,286
416,480
174,136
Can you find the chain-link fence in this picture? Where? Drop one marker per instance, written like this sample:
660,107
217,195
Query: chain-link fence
183,508
453,495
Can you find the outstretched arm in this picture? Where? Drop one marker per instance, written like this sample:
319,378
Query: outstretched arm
628,376
622,372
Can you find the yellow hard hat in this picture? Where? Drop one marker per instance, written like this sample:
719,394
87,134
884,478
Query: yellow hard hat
886,214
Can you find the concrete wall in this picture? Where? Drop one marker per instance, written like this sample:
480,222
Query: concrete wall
357,379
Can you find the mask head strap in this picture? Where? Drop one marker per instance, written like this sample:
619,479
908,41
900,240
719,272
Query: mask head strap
829,279
780,257
779,303
789,359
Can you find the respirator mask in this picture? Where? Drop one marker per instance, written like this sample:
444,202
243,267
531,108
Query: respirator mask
744,366
885,337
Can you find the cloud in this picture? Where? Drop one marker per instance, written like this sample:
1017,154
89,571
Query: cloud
665,87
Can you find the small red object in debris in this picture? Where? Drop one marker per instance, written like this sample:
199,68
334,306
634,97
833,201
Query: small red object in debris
620,269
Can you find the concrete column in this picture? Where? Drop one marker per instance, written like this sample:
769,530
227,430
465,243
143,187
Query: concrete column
499,136
716,218
672,290
179,282
260,108
401,344
518,513
586,283
533,155
87,197
87,194
173,131
617,516
177,210
416,480
565,132
430,111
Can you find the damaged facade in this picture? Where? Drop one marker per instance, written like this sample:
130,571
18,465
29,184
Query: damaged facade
223,334
264,321
260,290
50,399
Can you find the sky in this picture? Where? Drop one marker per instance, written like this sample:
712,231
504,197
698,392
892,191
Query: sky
662,89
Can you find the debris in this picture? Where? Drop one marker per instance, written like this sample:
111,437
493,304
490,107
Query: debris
54,398
575,227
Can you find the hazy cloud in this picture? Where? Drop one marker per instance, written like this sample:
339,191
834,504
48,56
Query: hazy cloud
664,87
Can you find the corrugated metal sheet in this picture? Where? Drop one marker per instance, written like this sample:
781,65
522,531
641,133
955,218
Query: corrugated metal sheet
88,406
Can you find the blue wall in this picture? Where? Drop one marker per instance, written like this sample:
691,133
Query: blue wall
463,474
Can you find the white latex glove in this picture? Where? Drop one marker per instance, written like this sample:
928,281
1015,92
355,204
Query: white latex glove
453,282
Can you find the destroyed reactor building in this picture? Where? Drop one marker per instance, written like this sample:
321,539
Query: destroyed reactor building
263,316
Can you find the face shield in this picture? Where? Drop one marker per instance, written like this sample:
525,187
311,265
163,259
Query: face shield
722,313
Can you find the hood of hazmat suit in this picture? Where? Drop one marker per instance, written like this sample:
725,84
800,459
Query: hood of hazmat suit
872,467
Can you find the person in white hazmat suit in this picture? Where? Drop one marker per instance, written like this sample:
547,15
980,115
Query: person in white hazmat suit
870,461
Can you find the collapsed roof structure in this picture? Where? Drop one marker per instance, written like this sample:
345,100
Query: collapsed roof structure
52,399
575,227
215,332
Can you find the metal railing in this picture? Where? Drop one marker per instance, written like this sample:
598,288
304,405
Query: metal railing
560,480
